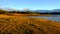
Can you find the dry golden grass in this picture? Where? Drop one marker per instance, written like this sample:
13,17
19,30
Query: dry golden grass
16,14
24,25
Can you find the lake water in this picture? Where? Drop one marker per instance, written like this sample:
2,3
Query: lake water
53,17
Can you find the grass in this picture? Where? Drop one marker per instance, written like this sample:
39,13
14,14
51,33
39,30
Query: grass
22,25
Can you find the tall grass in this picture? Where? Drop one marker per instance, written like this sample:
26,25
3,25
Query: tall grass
22,25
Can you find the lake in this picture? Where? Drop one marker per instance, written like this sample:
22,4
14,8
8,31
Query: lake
53,17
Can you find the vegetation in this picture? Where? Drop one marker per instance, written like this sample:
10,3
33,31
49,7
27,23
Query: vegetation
20,13
23,25
14,23
3,11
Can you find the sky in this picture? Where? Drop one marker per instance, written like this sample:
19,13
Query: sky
31,4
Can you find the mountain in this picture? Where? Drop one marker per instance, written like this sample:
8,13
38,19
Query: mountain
55,10
42,11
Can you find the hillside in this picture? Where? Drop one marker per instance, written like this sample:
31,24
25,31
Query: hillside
23,25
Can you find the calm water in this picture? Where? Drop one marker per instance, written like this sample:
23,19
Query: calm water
53,17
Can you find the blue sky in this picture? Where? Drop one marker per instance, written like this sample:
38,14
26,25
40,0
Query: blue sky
31,4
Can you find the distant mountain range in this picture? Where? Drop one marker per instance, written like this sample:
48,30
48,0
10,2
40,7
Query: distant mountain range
54,10
41,11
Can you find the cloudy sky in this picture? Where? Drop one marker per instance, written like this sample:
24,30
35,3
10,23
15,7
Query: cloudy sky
31,4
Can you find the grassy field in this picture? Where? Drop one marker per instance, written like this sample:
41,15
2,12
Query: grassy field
23,25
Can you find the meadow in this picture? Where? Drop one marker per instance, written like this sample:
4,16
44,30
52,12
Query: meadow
24,25
14,23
